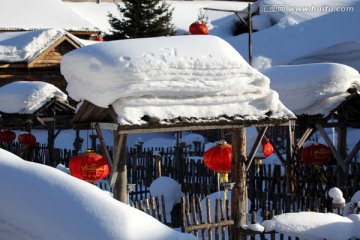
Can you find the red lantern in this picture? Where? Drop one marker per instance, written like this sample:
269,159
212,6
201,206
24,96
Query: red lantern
89,166
198,28
99,39
267,148
316,154
27,139
218,159
7,136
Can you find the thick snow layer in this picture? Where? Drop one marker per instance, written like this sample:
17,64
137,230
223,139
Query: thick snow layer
314,225
41,14
42,203
312,88
26,97
25,46
168,77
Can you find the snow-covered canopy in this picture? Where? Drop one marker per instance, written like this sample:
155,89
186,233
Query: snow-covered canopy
25,46
26,97
41,202
170,77
313,88
41,14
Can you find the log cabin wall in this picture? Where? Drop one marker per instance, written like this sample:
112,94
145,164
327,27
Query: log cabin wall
45,67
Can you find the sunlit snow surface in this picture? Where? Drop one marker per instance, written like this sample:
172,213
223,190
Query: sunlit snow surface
168,77
42,203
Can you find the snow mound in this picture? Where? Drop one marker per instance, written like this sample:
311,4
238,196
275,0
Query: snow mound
43,203
312,88
26,97
313,225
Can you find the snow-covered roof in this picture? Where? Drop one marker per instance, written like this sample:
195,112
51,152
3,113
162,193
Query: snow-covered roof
25,46
27,97
41,14
313,89
196,76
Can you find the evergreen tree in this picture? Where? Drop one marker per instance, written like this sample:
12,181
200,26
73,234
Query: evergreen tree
141,19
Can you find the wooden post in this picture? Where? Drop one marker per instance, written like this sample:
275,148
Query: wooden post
239,191
341,177
120,188
289,159
250,35
51,144
158,159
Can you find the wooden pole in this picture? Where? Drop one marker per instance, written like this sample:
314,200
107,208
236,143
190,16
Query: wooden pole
250,35
120,188
239,191
289,158
341,177
158,159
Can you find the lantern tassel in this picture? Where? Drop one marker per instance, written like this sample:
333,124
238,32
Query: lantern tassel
258,163
224,178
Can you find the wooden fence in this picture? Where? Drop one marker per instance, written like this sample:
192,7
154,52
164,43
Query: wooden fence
266,183
208,220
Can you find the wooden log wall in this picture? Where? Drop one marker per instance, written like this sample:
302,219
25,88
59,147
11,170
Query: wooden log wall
45,68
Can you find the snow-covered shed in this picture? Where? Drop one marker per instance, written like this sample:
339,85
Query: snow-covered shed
171,84
323,96
35,55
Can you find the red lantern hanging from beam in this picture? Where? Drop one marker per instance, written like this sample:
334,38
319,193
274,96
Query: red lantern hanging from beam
218,159
267,148
7,136
27,139
316,154
198,28
89,166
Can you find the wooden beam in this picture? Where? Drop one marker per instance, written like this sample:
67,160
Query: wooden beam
103,145
308,132
255,147
331,146
278,153
355,149
116,159
108,126
225,10
197,126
